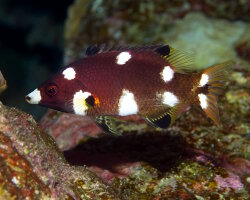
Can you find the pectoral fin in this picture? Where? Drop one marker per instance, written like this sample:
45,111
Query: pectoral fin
109,124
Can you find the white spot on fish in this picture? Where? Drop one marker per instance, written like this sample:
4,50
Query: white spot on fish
79,104
204,80
34,97
122,58
69,73
203,100
127,104
167,74
168,98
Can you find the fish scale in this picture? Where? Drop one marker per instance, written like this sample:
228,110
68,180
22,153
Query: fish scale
154,82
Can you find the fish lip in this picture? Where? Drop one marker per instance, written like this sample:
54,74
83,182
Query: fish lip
34,97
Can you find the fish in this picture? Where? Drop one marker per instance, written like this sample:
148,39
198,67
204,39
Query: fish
154,82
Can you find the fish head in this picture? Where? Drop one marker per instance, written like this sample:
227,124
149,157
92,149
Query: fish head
64,92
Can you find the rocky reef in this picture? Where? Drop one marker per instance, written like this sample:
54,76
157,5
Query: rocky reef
32,167
148,22
65,156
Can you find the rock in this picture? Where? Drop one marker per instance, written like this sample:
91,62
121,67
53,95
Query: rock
210,41
33,167
69,130
61,126
3,83
243,46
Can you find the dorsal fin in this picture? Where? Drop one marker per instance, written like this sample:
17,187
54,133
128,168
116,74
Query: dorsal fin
182,62
137,48
163,50
92,50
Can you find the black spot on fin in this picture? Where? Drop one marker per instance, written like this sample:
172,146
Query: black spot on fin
92,50
181,61
109,124
161,122
166,117
163,50
90,101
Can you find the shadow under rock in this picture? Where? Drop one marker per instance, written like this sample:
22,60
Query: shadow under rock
160,150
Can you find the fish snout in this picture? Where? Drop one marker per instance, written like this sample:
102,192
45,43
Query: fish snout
34,97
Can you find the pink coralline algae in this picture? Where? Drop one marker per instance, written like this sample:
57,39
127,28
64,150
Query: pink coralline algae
232,181
61,126
32,166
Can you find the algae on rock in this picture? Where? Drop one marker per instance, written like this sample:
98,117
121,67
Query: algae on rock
210,40
33,167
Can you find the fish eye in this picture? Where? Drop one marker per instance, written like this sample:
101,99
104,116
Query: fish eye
51,90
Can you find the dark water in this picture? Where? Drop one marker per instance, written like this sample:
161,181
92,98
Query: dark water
31,46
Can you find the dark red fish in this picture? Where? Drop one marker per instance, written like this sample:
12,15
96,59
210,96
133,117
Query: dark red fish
154,82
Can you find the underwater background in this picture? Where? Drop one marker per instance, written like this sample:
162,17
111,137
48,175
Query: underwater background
31,46
193,159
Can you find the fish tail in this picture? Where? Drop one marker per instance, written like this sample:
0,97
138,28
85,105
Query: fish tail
211,84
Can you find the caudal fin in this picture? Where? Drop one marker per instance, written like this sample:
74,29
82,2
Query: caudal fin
212,84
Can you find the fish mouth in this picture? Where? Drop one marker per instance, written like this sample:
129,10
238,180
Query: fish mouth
34,97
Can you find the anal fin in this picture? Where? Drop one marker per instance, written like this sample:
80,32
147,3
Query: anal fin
159,122
165,118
